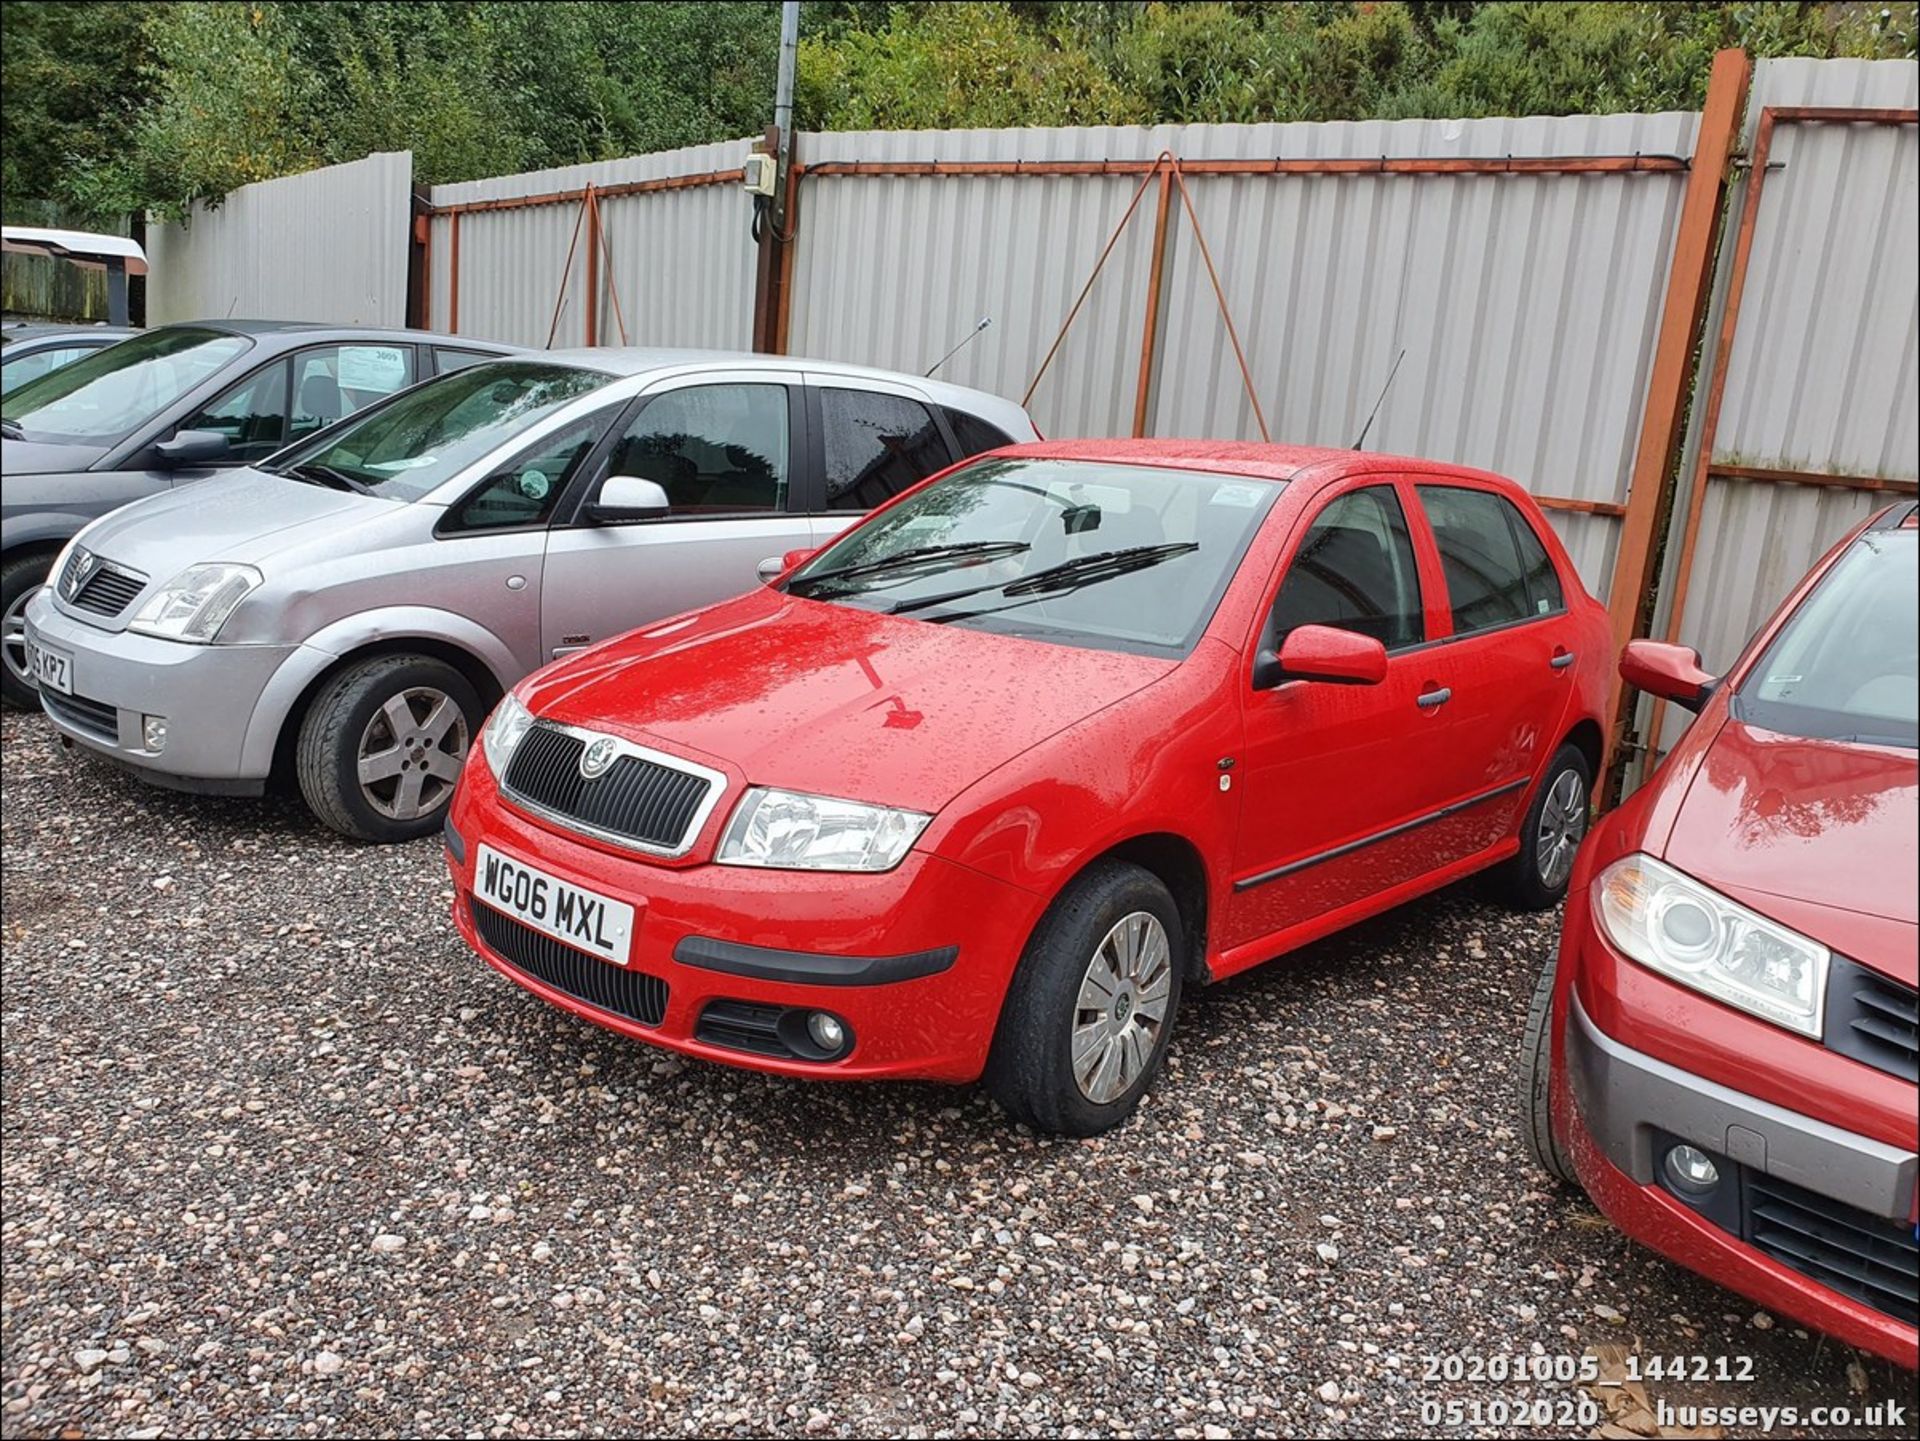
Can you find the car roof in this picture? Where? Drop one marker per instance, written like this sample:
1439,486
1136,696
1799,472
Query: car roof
625,360
1259,459
305,332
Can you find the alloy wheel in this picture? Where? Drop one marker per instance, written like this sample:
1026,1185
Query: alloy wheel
1563,821
410,753
1122,1007
13,636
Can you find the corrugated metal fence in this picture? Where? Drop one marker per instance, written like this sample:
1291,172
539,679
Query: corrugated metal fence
328,245
1527,300
1808,416
673,264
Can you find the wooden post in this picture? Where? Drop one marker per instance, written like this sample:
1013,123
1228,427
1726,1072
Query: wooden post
593,267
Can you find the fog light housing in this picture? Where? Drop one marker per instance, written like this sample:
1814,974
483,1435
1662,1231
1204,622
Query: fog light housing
1691,1170
153,732
826,1032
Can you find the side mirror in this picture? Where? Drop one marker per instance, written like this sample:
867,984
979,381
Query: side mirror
1322,653
775,566
193,447
628,497
1671,672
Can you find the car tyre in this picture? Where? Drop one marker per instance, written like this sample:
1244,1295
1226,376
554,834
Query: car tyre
20,577
1536,878
1536,1067
1113,935
382,744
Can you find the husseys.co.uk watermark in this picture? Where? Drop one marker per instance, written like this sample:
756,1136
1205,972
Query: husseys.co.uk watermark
1754,1420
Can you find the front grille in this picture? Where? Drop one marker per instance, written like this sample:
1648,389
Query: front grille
1873,1018
1871,1259
635,800
633,994
107,590
96,718
743,1026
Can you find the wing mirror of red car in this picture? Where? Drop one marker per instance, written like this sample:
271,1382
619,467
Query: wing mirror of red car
775,566
1323,653
1671,672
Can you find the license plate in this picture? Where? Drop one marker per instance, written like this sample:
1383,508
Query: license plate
585,920
49,669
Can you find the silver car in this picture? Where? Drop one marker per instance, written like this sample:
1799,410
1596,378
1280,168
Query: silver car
344,613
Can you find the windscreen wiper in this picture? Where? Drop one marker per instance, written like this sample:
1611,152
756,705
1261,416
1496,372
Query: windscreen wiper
11,430
1055,579
326,475
925,557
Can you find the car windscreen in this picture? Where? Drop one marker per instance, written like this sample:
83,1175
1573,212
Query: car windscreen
104,397
1111,557
426,436
1846,666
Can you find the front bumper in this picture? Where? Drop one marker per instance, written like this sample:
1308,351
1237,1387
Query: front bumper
1622,1108
207,693
915,961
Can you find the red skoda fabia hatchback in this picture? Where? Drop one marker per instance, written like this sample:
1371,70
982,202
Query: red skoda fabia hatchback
980,785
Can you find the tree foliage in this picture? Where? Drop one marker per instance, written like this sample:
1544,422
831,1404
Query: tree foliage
120,105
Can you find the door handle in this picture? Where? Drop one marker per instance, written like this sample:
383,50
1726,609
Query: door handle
1561,659
1428,699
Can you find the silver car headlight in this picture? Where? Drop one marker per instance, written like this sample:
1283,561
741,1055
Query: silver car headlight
509,722
1690,933
196,603
785,830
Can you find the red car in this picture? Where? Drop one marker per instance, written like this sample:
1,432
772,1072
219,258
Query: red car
1724,1054
981,785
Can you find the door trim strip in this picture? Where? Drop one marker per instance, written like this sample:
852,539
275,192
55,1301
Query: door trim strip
1388,834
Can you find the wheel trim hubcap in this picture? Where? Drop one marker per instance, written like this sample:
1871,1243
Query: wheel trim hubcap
13,635
1122,1007
1563,821
410,753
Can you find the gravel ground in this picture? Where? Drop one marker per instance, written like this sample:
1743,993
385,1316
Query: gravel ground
282,1158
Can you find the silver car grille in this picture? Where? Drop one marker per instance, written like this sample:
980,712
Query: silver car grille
89,582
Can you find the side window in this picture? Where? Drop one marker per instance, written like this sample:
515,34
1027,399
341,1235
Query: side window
16,372
1486,577
1543,582
1355,571
715,449
876,446
447,359
525,490
337,380
251,415
974,434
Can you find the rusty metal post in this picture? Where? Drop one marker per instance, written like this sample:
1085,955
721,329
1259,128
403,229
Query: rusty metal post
767,263
1150,331
593,267
1663,421
453,276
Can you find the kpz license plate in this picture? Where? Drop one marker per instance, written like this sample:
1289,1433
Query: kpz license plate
49,669
596,924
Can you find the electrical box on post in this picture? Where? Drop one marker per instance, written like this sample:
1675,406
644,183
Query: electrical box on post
756,175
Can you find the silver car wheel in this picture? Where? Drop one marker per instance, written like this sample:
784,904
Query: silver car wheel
410,753
1122,1007
1563,821
13,636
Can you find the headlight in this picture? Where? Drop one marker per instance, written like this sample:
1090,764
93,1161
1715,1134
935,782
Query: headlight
196,603
1687,932
789,831
508,723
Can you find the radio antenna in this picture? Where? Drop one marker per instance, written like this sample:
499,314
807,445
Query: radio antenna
1361,439
982,324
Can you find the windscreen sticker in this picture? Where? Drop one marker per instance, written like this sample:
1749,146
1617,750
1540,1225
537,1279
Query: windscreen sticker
1244,496
406,462
534,484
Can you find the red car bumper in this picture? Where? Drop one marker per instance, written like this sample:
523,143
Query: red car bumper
926,912
1793,1185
